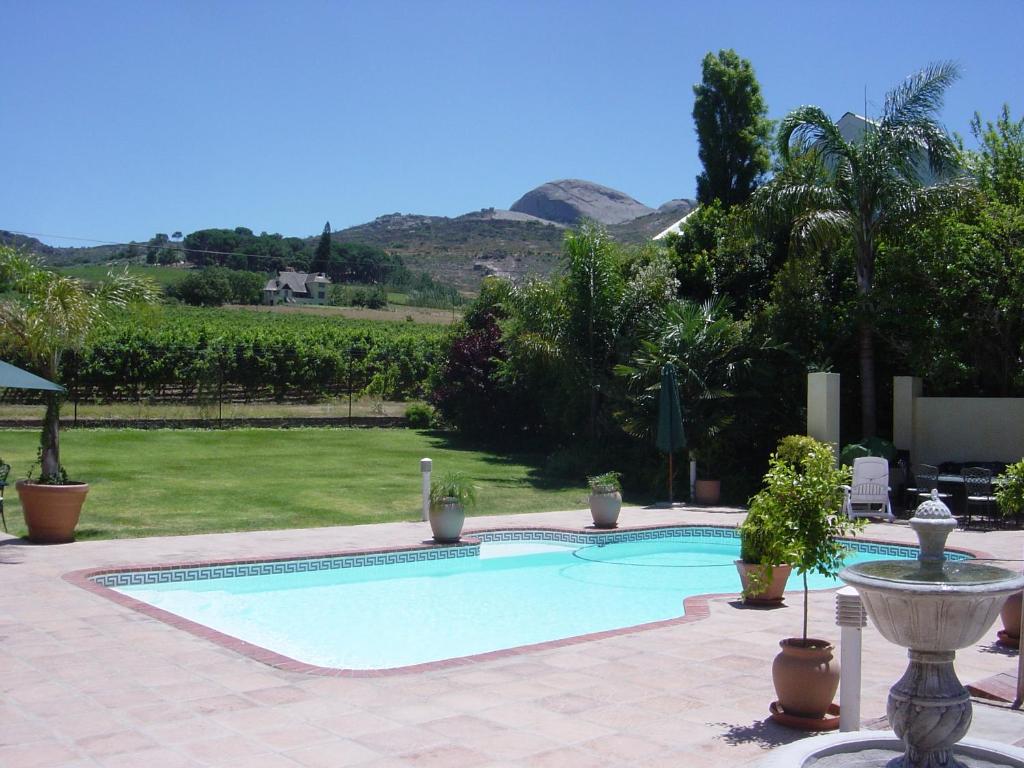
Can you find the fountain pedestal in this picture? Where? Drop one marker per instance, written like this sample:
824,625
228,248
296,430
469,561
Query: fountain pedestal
931,607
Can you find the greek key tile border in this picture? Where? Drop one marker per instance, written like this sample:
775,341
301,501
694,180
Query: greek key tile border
468,549
692,531
276,567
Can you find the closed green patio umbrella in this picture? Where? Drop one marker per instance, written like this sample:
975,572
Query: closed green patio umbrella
671,437
13,377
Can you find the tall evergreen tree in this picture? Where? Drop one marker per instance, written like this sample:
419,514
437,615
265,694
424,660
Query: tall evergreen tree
732,128
322,257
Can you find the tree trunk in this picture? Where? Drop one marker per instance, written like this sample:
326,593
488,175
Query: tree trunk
867,379
866,327
50,441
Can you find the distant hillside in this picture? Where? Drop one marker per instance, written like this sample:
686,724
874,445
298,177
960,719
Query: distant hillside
463,250
569,201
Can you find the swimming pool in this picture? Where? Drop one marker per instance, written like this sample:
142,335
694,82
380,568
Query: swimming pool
395,609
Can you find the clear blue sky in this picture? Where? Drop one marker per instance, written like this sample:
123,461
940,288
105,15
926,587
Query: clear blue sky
121,119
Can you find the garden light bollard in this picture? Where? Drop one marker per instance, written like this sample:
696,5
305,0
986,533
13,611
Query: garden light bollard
425,467
851,617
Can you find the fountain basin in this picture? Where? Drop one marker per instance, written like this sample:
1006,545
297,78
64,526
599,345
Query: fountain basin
876,750
932,609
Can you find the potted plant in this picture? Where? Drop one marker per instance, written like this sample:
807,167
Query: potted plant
802,499
765,552
1009,490
449,498
47,315
605,499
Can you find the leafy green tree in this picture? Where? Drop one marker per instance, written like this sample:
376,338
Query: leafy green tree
570,332
733,130
962,327
872,185
49,315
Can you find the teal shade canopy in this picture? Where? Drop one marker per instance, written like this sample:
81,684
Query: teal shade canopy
13,377
671,437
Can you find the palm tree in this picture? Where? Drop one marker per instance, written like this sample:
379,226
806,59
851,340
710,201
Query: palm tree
49,314
863,188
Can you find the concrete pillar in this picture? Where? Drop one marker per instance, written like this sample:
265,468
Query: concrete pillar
823,408
852,618
426,465
905,389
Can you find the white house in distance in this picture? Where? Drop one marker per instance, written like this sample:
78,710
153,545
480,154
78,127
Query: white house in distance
296,288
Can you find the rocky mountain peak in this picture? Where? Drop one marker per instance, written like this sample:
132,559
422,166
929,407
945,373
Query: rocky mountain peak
567,201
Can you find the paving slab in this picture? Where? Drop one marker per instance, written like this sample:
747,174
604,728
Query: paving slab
85,681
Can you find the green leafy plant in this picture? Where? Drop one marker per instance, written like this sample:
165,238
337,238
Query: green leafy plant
453,485
1010,489
49,315
798,512
419,416
607,482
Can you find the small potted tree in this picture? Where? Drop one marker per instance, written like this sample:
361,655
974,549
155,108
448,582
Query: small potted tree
803,495
46,316
765,554
605,499
1010,497
449,498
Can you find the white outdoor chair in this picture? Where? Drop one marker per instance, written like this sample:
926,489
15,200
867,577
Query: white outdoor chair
868,494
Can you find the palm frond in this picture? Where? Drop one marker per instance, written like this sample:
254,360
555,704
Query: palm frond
919,97
810,126
817,230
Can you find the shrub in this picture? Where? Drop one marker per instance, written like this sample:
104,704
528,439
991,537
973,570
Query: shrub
419,416
453,485
1010,489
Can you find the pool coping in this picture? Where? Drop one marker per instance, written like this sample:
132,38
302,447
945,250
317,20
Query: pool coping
695,608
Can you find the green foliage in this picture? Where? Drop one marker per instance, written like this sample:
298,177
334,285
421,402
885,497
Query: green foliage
181,352
214,286
733,130
709,350
50,315
606,482
1010,490
798,510
453,485
419,416
322,255
864,188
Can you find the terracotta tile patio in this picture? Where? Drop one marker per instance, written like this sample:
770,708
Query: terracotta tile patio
87,682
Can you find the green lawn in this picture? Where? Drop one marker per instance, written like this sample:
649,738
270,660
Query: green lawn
168,482
93,273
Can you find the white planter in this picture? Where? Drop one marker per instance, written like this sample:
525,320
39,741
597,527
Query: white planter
604,508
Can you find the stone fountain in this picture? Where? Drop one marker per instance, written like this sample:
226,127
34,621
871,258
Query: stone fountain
932,607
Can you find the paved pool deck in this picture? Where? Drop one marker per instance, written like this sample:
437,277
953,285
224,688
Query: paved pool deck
88,682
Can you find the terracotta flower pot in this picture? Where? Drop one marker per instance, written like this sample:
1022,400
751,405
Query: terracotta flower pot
707,491
771,593
604,508
1010,614
51,511
806,677
446,520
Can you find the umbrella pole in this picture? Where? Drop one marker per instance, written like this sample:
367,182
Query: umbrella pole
670,480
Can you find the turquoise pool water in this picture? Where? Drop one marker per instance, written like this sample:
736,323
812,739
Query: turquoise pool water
359,615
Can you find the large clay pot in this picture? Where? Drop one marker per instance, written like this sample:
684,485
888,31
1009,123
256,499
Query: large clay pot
51,511
707,491
604,508
446,520
806,677
772,592
1011,620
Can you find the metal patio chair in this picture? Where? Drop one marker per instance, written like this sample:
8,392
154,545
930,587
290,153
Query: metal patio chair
978,494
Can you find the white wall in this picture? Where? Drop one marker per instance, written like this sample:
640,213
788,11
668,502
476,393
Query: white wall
967,429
